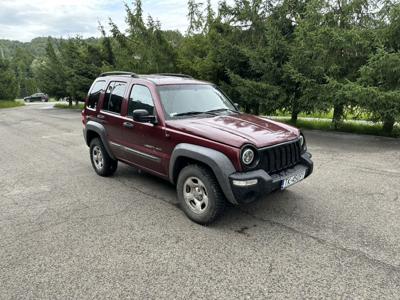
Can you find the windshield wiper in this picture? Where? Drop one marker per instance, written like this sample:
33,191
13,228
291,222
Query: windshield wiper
220,110
189,113
209,112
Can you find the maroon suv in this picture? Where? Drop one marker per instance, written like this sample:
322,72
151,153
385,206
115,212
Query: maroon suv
188,132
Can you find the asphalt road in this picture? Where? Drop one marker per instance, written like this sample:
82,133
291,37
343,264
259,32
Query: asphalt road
68,233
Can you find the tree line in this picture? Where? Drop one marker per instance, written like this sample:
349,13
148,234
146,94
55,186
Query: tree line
297,56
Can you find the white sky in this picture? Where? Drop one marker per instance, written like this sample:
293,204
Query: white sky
26,19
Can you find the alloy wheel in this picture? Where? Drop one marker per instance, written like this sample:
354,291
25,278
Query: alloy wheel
195,195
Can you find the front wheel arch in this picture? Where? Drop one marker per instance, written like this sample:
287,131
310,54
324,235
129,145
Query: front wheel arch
220,165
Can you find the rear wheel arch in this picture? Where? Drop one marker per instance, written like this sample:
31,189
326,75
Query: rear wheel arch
90,135
95,129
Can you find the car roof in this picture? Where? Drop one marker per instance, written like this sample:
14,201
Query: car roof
171,79
158,79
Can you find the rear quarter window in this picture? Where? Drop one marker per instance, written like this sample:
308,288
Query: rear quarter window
94,94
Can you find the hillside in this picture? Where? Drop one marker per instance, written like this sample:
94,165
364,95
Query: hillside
36,47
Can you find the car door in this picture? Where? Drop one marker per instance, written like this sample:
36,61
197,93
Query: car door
144,141
110,115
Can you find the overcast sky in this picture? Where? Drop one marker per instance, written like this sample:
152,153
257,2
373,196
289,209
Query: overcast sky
24,20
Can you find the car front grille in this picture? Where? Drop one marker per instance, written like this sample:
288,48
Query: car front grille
280,157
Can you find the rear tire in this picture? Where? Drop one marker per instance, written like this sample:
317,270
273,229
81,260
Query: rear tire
102,163
199,194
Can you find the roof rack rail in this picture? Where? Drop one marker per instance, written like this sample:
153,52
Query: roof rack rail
119,73
174,75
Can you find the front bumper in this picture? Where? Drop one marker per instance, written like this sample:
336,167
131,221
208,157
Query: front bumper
265,183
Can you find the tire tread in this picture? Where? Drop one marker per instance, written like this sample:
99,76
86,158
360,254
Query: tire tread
212,185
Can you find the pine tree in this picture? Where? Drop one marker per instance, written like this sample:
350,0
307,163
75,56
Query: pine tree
8,81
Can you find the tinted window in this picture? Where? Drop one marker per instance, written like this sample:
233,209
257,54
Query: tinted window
95,92
140,98
114,96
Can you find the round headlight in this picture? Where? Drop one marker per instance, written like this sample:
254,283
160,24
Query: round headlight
301,141
248,156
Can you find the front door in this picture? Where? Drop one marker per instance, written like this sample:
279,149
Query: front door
144,141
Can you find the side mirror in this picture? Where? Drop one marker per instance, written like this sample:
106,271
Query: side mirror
143,116
237,105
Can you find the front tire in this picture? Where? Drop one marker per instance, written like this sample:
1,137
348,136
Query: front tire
102,163
200,195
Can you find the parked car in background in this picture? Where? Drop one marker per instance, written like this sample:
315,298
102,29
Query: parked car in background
188,132
37,97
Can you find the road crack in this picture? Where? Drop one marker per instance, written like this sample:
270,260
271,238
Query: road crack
324,242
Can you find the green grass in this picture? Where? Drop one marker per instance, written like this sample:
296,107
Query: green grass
354,114
80,106
347,126
10,103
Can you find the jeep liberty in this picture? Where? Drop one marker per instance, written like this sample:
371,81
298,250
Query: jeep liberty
190,133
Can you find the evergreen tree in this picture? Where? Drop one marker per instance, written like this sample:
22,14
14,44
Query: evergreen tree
21,63
8,81
50,73
144,49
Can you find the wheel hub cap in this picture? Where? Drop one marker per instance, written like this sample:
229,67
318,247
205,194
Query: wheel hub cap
195,195
98,159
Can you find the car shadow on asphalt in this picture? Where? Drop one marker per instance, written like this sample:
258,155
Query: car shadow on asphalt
276,204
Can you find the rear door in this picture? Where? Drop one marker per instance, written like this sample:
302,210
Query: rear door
110,115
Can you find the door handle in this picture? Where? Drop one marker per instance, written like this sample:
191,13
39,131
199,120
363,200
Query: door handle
128,124
100,117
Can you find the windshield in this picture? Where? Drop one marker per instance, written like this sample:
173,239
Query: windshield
188,100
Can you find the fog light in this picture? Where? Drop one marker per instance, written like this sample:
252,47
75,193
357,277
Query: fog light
245,182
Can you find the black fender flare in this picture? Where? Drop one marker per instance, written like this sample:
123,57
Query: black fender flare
101,131
219,163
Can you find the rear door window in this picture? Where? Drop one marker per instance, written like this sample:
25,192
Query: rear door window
114,97
94,94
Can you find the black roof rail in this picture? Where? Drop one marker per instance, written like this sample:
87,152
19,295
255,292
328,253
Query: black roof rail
119,73
174,75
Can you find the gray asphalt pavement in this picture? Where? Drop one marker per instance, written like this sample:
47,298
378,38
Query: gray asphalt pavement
68,233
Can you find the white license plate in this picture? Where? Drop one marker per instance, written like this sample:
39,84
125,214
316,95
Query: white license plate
293,179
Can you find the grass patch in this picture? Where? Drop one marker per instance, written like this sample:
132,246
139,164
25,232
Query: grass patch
11,103
354,114
80,106
347,126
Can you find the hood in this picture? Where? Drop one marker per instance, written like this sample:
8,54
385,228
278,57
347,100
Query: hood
237,130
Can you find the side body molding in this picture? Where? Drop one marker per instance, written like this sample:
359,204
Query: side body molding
101,131
219,163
